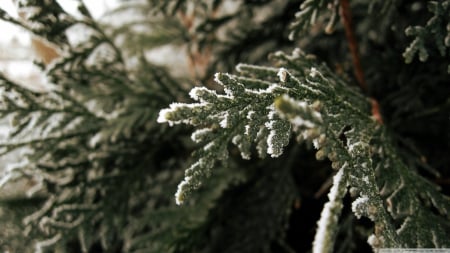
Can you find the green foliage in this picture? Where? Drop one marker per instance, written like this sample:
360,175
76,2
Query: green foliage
102,170
329,109
310,12
88,147
437,30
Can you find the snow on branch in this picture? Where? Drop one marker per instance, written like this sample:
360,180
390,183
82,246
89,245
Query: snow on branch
263,107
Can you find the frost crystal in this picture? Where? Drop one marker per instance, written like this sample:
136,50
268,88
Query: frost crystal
225,122
282,74
162,117
359,206
313,73
201,134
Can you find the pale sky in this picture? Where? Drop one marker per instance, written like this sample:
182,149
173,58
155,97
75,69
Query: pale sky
8,31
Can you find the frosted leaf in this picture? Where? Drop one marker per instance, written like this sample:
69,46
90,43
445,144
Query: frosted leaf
359,206
375,242
328,222
247,129
278,138
180,195
268,104
203,94
261,145
96,139
243,144
163,116
192,180
313,73
201,135
225,122
282,74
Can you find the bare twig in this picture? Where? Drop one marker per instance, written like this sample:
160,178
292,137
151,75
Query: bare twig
346,18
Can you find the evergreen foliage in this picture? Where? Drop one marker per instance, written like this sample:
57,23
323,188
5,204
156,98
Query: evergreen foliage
101,170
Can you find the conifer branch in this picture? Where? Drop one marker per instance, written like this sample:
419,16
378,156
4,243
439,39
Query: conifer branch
437,27
101,171
321,117
328,223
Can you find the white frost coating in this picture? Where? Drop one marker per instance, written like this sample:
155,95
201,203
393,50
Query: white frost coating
366,179
327,225
261,147
162,117
299,121
43,244
209,146
250,115
359,206
297,52
194,93
269,124
227,91
316,143
199,134
13,166
351,147
321,239
272,112
164,114
272,148
94,141
373,241
179,195
197,92
336,179
273,88
291,36
313,72
225,122
236,139
282,74
247,130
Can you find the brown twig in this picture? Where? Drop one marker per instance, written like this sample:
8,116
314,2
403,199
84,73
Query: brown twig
376,111
346,17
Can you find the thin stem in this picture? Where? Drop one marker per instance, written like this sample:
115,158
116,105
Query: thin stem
346,17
